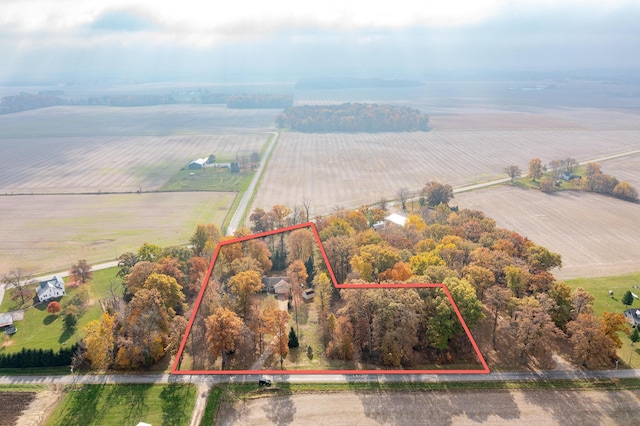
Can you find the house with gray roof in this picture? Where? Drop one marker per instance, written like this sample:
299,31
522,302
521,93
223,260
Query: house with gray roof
50,289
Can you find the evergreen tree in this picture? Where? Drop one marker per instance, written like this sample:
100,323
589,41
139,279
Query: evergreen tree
293,339
627,299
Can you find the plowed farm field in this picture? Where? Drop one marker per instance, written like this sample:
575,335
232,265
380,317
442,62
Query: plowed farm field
353,169
50,232
111,163
595,234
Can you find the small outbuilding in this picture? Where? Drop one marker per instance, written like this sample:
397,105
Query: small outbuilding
50,289
308,294
6,319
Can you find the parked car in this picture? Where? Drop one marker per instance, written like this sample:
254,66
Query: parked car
264,382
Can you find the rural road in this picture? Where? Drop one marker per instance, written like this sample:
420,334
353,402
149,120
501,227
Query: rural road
317,378
248,195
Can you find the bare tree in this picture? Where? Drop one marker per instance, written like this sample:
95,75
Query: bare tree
569,164
383,203
403,196
306,204
20,282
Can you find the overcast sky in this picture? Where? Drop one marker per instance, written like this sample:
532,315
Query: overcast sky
137,40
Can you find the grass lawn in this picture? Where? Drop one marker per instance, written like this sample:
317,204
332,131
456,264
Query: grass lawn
125,405
40,330
207,179
599,288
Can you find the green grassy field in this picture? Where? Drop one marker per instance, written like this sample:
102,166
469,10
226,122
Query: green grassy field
125,405
40,330
207,179
599,288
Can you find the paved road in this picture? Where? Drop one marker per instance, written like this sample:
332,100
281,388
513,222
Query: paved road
320,378
234,223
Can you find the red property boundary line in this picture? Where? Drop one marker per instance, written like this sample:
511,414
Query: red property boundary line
174,369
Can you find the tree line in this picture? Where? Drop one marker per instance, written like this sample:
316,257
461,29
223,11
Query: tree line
353,117
36,358
593,179
25,101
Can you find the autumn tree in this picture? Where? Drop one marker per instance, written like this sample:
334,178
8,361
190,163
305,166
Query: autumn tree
150,252
612,325
301,243
99,340
136,277
177,328
592,347
513,172
533,327
496,298
517,279
535,169
396,325
280,341
479,277
169,289
126,261
204,234
569,164
23,292
581,302
435,193
591,169
341,344
258,251
143,331
53,307
541,259
80,272
625,191
224,328
297,274
244,285
338,251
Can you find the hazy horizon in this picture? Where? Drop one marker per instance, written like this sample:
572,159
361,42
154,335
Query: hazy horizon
141,40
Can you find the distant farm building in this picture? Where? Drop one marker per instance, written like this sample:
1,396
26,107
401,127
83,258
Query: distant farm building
198,164
50,289
222,165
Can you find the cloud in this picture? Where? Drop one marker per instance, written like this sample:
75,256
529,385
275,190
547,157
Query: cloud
122,20
178,40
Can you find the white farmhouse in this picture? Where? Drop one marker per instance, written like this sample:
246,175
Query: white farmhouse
50,289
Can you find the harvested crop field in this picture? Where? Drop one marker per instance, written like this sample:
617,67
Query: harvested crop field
109,164
162,120
354,169
528,407
13,404
50,232
595,234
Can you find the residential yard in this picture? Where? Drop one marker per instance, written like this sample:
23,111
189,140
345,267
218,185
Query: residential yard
599,288
121,405
207,179
40,330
